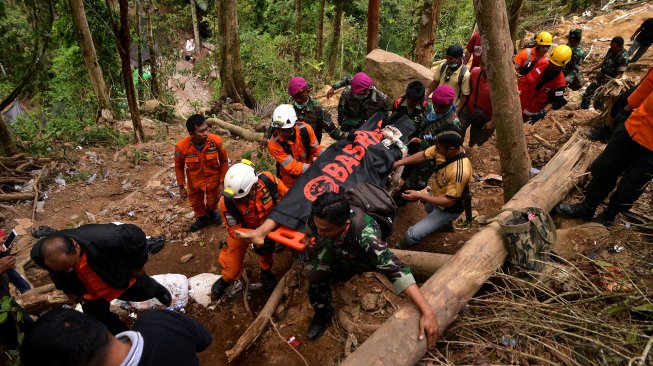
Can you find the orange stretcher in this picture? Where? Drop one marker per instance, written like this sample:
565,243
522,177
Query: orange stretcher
286,236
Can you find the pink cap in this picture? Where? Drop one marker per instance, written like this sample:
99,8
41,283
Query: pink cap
296,85
360,83
443,94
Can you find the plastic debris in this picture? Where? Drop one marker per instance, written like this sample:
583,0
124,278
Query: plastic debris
59,180
92,178
616,249
627,225
508,341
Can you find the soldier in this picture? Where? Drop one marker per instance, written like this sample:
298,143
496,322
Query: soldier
358,102
441,113
201,159
246,202
308,110
614,65
412,104
572,69
343,250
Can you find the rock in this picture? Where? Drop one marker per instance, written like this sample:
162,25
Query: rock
73,217
369,301
151,106
237,106
392,73
91,218
186,258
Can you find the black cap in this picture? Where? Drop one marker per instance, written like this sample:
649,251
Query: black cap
618,40
455,50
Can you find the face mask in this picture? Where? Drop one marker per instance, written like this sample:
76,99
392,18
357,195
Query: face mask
300,106
359,96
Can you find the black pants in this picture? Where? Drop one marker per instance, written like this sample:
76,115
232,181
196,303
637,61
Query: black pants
622,157
144,288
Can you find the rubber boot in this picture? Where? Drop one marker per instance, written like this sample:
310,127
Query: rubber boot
215,218
201,222
320,322
219,287
577,211
606,217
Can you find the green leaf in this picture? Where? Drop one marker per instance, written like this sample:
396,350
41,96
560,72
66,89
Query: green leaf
644,307
3,317
616,309
602,264
631,338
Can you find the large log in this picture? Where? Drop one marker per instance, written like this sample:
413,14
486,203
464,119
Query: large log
396,343
236,130
422,264
16,196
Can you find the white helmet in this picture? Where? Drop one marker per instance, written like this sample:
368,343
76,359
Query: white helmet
284,116
239,179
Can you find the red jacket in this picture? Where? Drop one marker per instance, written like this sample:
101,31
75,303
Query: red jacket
534,100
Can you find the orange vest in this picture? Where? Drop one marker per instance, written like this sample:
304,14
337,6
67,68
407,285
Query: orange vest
295,162
96,288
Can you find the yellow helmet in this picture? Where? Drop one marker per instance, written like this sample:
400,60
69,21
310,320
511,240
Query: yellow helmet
544,39
560,55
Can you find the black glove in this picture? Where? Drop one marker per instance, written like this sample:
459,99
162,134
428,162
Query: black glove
537,116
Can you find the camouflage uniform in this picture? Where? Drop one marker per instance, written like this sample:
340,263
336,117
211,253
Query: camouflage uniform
613,64
338,259
572,69
352,112
416,177
316,116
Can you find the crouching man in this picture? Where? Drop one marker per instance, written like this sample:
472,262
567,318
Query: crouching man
342,250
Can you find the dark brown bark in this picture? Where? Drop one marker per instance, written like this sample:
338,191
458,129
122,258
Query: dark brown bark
6,141
513,18
298,33
124,40
232,75
196,28
90,56
154,81
427,29
335,41
372,25
495,39
139,53
319,48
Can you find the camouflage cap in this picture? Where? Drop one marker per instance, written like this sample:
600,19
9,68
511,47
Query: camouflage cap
576,33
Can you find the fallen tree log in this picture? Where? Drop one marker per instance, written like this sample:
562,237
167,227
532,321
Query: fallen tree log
236,130
422,264
258,325
396,342
16,196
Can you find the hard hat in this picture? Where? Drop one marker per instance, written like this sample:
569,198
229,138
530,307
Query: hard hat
284,116
544,39
560,55
239,180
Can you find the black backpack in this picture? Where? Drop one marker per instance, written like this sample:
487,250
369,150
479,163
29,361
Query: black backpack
370,199
271,186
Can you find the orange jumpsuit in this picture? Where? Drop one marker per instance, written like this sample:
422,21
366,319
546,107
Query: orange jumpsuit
526,56
253,212
292,163
640,123
204,170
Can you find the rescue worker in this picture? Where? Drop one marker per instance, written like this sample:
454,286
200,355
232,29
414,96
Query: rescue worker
629,155
528,57
342,250
440,114
358,102
477,114
572,72
543,88
246,202
308,110
413,103
454,73
201,161
453,172
474,50
96,264
615,63
293,144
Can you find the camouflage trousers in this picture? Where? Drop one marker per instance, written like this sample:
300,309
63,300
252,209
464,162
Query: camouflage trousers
326,270
590,91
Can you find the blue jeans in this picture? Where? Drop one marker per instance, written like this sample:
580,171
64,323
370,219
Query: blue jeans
640,50
435,220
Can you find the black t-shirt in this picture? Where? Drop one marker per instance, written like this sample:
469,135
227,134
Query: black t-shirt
171,338
645,36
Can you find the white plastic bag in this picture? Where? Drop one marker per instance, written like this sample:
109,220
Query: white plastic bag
200,287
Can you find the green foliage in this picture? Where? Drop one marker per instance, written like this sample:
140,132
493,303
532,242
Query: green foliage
261,159
10,310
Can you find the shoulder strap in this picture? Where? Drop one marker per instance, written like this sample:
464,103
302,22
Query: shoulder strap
306,139
232,209
271,186
528,57
461,78
447,162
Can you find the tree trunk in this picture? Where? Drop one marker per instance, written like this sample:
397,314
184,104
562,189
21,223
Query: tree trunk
422,264
139,53
154,81
243,133
335,41
298,33
447,292
232,74
495,39
6,141
124,40
90,56
196,28
372,25
319,48
427,29
513,18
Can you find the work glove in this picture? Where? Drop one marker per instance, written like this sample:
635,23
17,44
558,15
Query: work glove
537,116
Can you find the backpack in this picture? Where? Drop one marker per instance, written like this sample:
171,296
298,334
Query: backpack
271,186
306,140
370,199
461,77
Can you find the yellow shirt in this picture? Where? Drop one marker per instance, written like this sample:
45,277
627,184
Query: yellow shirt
453,81
453,178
